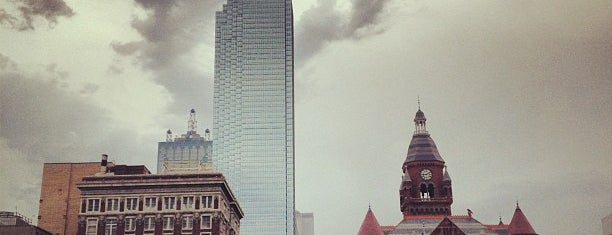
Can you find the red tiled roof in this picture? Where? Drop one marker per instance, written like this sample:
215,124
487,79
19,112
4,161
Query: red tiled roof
370,225
387,227
519,225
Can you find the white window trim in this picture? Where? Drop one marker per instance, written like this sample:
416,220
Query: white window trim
95,226
133,227
150,208
90,200
183,224
127,205
169,206
171,225
206,202
112,206
144,223
190,205
209,222
108,228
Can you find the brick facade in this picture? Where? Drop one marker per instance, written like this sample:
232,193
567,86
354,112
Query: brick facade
59,196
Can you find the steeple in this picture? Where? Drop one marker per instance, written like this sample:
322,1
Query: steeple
422,146
370,225
519,225
426,187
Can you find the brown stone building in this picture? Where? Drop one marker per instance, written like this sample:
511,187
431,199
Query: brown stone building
131,201
59,196
426,197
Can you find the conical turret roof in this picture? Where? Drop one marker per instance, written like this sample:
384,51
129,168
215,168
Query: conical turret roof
370,225
446,176
519,225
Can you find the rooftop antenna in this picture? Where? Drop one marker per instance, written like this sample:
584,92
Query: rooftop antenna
192,124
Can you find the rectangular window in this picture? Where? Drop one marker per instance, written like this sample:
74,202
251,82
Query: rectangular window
188,202
130,224
92,226
168,223
206,233
207,201
131,203
206,221
149,223
169,203
111,227
187,222
112,204
150,203
93,204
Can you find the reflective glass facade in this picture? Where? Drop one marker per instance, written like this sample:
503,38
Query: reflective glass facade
253,111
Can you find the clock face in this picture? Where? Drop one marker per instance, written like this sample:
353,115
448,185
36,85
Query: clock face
426,174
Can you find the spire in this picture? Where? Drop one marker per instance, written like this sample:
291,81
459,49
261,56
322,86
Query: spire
446,176
406,181
192,123
422,147
519,225
370,225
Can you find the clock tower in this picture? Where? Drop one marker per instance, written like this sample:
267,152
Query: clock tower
426,185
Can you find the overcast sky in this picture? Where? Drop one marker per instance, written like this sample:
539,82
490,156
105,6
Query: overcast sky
517,96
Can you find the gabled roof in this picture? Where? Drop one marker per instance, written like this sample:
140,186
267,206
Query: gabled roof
429,224
519,225
370,225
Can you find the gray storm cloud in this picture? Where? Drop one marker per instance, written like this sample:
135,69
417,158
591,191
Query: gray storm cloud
324,23
172,32
42,121
28,10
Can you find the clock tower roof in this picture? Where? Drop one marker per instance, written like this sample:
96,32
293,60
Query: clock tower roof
422,146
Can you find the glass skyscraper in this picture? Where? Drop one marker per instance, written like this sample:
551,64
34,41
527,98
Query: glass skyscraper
253,111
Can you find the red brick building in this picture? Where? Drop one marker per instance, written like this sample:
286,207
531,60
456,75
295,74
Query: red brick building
130,200
60,198
426,197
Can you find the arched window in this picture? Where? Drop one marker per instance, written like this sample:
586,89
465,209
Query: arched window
430,190
424,191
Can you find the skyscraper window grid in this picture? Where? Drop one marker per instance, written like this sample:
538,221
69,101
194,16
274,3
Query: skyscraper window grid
253,111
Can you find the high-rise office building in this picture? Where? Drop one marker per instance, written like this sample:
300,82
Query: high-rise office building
304,223
253,111
190,151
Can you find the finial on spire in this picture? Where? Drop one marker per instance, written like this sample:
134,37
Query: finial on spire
419,101
369,206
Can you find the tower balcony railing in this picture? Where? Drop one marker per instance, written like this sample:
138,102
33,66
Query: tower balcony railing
434,199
